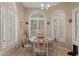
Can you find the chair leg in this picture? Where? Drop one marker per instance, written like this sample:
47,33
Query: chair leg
28,51
34,53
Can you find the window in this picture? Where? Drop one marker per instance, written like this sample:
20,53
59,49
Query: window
37,24
33,27
75,26
58,25
7,25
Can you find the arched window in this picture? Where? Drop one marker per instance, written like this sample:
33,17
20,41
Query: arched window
58,25
37,24
7,24
37,14
75,26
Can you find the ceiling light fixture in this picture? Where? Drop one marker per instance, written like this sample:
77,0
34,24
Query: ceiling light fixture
42,5
45,6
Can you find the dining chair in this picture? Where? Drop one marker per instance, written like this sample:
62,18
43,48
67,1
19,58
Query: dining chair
28,45
40,47
51,47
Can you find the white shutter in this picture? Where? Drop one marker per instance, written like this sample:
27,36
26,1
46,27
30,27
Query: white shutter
7,25
3,28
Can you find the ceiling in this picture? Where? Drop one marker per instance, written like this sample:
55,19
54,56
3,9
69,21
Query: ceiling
38,4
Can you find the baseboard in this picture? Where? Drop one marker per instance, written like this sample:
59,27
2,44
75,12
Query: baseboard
64,48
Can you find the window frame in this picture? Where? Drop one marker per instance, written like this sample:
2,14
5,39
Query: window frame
74,19
64,26
14,10
37,21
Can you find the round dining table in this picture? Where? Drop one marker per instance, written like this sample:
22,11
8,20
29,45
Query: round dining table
32,39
